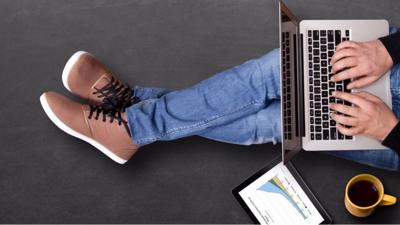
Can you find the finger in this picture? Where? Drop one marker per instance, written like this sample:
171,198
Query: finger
347,52
346,74
350,97
344,64
348,110
368,96
345,120
346,44
348,131
361,82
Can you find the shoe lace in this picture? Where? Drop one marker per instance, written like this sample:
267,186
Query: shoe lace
112,114
116,95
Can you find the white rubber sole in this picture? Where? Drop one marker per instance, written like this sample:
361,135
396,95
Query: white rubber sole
70,131
70,63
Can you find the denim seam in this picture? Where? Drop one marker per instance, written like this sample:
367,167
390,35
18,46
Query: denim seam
199,124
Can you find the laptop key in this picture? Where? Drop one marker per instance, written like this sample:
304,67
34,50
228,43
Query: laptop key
348,137
325,124
325,117
318,136
315,35
331,46
340,136
312,136
325,135
338,35
345,83
323,33
332,123
333,133
318,129
330,35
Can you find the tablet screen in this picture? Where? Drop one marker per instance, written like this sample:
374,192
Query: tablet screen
277,198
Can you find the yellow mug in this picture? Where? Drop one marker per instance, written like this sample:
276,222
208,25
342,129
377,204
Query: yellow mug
360,181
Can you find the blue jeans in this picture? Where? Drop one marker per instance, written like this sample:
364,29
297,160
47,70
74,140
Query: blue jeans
240,105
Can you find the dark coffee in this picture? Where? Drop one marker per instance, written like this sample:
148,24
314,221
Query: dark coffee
363,193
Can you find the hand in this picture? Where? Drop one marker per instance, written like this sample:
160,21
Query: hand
363,62
369,115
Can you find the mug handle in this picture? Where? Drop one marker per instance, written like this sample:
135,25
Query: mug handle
388,200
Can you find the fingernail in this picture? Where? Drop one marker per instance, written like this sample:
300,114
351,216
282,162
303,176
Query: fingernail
334,93
333,78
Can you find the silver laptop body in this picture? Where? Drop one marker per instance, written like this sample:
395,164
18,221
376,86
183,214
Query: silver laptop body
306,49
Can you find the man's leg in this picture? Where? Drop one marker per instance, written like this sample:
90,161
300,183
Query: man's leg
221,99
146,93
258,128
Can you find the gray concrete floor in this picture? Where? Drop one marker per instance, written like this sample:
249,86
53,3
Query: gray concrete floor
49,177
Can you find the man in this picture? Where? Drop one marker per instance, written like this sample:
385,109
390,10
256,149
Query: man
240,105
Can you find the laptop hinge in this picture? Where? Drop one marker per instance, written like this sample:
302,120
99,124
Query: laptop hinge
301,86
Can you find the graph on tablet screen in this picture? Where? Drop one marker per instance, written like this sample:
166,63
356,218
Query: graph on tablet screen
277,198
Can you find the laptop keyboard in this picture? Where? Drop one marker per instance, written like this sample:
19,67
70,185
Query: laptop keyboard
321,45
287,123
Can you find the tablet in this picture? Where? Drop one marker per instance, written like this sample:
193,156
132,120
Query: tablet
278,195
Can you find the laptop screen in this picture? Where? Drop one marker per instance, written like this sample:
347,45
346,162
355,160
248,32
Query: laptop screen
291,137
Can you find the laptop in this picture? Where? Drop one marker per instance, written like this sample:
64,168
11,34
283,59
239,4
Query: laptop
306,50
